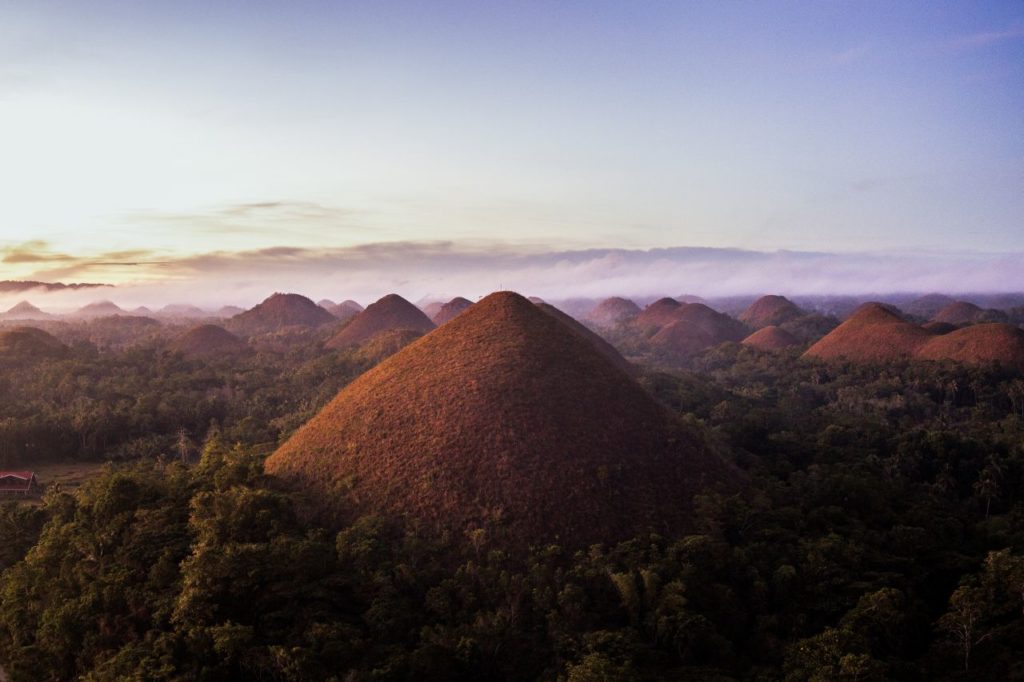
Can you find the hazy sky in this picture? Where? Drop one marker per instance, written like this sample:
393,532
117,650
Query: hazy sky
138,133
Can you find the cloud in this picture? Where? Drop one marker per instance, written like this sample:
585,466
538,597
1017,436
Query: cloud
35,251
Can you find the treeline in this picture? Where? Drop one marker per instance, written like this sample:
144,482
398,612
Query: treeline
127,404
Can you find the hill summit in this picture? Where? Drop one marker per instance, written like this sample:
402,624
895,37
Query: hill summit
450,309
390,312
770,310
873,333
25,311
503,414
280,311
613,311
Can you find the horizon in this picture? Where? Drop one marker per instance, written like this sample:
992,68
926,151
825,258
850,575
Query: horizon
232,147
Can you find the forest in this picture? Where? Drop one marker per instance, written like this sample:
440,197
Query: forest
881,536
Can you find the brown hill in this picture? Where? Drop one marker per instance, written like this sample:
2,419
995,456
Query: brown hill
503,414
962,312
771,338
181,310
770,310
390,312
208,340
978,344
695,328
345,310
656,315
927,306
280,311
874,333
19,343
99,309
612,312
450,309
386,343
25,311
597,341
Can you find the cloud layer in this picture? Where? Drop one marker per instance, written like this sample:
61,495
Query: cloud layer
443,269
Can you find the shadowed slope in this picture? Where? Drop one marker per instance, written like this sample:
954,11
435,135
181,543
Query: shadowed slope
596,340
613,311
503,413
450,309
208,340
978,344
771,338
390,312
280,311
770,310
873,333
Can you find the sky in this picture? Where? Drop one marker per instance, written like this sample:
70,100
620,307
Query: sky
253,144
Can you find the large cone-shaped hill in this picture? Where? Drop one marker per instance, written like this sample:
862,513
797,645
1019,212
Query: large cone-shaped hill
770,310
978,344
19,343
449,310
280,311
874,333
771,338
696,327
505,414
612,312
390,312
208,340
962,312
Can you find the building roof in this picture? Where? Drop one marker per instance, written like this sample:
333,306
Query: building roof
16,480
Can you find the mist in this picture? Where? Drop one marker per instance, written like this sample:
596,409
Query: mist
441,270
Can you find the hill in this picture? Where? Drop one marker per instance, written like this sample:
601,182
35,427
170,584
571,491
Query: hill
20,343
181,310
99,309
771,338
696,327
229,311
390,312
656,315
978,344
25,311
962,312
280,311
503,414
612,312
927,306
874,333
770,310
450,309
208,340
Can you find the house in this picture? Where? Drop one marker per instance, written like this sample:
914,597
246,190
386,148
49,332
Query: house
21,483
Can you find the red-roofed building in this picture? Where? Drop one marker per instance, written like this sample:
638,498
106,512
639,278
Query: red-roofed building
17,483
